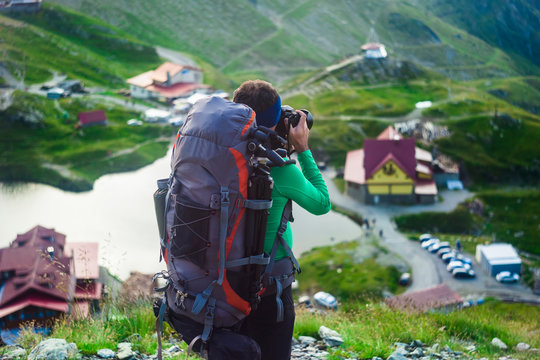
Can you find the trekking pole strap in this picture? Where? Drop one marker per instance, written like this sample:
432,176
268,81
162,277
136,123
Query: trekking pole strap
209,319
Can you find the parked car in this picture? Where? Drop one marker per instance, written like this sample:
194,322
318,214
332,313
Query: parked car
428,243
457,264
325,300
507,277
461,273
425,237
405,279
134,122
464,259
449,256
443,251
436,247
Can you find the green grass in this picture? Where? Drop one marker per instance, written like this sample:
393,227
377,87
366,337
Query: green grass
371,329
335,270
87,153
368,329
60,39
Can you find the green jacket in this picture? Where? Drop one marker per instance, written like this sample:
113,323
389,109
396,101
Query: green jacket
306,188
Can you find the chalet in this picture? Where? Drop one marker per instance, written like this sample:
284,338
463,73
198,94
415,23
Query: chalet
390,169
438,298
168,82
37,282
374,51
91,118
20,5
88,287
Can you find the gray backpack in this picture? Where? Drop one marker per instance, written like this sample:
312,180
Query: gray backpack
212,217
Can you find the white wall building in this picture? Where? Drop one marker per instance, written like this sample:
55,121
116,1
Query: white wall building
498,257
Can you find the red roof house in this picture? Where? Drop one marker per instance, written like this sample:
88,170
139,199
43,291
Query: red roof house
390,169
37,281
169,81
91,118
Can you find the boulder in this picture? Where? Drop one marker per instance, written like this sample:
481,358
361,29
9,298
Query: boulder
53,349
124,351
499,343
307,340
14,352
106,354
330,337
522,347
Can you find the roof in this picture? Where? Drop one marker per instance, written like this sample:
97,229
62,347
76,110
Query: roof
499,251
390,134
92,117
377,153
354,167
160,74
143,80
425,187
176,90
33,270
85,259
422,155
426,299
34,300
424,169
372,46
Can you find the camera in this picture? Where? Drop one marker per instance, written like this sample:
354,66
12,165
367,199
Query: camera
293,117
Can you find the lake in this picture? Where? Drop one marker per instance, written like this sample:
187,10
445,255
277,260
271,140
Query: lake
119,214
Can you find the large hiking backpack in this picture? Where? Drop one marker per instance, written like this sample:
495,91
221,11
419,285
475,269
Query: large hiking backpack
212,230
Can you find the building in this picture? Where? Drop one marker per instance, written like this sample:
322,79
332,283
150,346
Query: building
37,280
20,5
374,51
390,169
167,82
498,257
88,287
92,118
438,298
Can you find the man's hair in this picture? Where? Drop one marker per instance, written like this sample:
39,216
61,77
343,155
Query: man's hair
257,94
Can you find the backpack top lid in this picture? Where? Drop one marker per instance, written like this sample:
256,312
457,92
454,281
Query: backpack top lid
219,121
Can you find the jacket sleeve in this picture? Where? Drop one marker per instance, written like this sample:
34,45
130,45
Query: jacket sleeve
307,187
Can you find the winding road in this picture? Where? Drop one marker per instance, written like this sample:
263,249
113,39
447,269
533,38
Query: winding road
427,269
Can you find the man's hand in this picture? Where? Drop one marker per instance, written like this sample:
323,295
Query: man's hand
298,136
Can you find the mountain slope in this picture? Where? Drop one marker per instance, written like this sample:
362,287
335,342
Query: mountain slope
277,38
58,39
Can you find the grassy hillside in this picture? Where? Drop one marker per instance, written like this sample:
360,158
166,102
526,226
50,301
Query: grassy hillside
58,39
39,142
277,39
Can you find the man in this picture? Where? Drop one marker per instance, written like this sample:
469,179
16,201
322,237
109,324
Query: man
306,188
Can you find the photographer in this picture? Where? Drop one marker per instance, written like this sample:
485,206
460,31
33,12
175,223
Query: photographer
305,187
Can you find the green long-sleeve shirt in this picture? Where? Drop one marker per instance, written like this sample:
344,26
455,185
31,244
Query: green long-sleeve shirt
306,188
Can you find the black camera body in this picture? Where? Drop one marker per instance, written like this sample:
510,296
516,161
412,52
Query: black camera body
294,117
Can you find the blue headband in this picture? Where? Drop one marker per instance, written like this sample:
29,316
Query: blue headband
270,116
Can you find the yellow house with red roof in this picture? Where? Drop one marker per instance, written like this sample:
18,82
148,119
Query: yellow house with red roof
390,169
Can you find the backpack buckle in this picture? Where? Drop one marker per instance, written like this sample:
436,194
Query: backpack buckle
224,196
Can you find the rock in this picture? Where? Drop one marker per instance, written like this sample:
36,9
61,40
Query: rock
132,338
418,352
522,347
106,353
294,341
173,349
14,352
376,358
53,349
306,340
471,348
124,351
418,343
397,356
330,337
434,348
498,343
